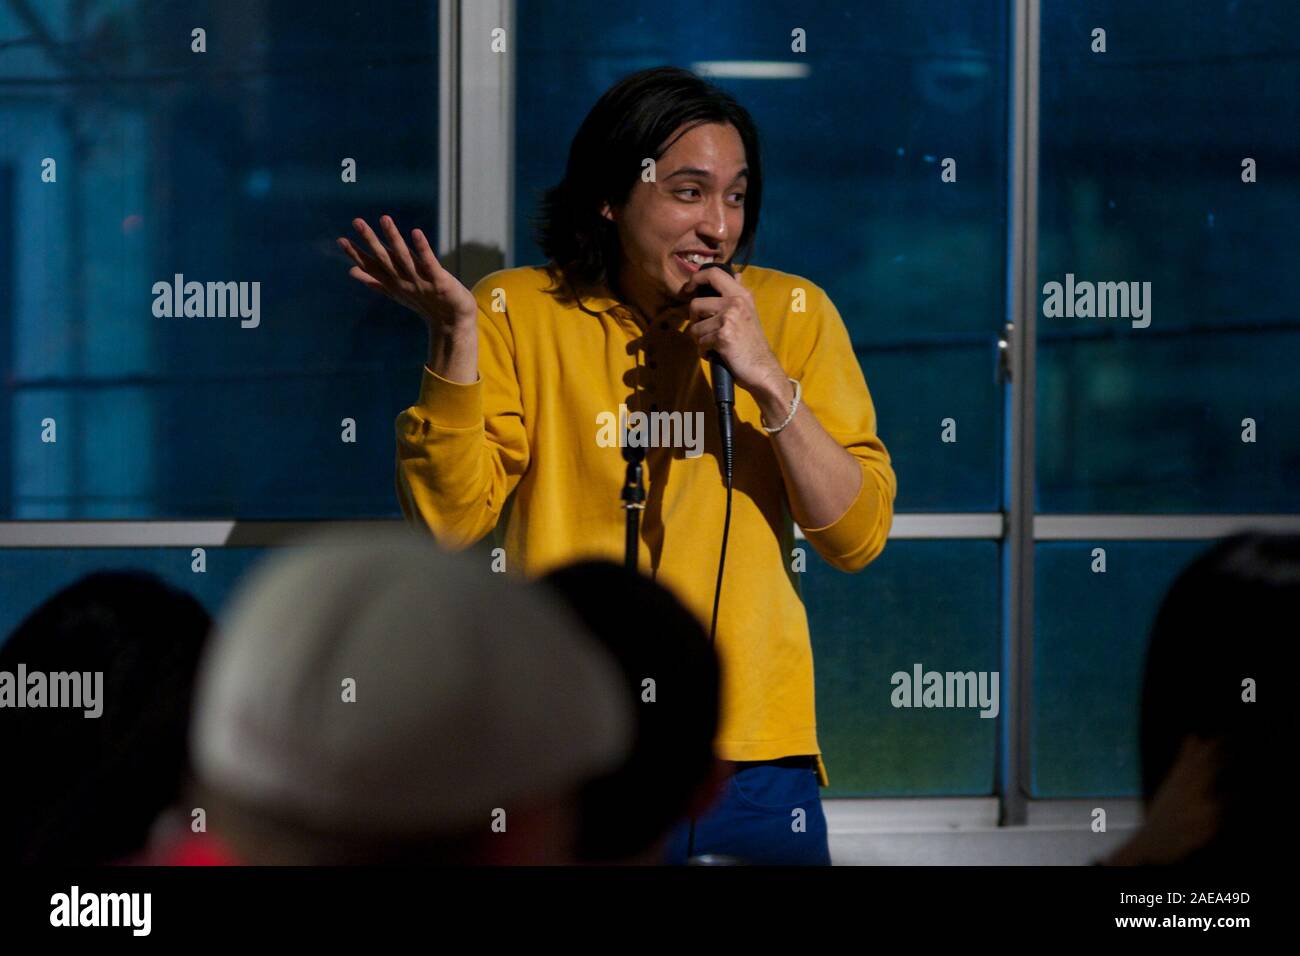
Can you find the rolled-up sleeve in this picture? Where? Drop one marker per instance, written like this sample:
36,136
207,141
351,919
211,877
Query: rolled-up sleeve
835,390
462,448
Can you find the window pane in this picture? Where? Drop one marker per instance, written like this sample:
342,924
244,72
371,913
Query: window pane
1141,181
853,194
1090,640
226,166
30,576
915,390
1156,425
898,613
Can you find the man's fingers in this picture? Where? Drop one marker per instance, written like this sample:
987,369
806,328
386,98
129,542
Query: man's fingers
364,263
376,247
704,326
401,255
425,260
366,279
707,340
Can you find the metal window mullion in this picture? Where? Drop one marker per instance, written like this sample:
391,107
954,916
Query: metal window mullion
921,526
1167,527
448,132
1014,773
199,533
477,135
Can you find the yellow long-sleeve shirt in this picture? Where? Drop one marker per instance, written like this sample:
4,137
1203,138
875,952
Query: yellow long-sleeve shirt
552,370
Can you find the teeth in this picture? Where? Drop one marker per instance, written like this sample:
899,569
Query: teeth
696,258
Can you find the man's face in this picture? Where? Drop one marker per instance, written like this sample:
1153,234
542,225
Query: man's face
697,203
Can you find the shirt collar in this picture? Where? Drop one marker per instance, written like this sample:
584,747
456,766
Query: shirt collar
598,299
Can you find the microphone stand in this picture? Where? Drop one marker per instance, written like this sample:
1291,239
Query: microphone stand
633,497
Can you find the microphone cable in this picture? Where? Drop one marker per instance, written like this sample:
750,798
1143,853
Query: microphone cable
713,626
724,392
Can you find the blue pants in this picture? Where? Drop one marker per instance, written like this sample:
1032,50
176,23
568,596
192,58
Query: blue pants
755,820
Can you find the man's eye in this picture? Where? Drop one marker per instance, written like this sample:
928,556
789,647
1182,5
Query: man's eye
740,197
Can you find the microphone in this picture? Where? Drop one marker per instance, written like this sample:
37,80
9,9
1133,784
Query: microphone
724,383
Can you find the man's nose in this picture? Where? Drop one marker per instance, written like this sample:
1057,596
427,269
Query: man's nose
713,224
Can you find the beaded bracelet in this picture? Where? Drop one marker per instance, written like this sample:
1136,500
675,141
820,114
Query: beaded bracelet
794,407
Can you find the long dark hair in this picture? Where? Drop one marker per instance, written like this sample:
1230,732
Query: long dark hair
631,121
1224,613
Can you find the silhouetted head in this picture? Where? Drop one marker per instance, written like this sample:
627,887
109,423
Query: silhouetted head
1207,651
627,813
81,789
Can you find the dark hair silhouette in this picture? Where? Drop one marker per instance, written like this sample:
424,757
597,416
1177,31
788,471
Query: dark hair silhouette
652,636
89,789
632,121
1209,636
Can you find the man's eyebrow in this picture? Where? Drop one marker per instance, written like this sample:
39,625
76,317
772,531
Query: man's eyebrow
703,173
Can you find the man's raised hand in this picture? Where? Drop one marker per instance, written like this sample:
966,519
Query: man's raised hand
412,277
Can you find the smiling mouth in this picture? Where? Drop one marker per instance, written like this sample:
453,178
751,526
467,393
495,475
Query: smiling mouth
690,266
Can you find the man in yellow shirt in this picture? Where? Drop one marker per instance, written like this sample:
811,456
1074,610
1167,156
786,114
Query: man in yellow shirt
525,373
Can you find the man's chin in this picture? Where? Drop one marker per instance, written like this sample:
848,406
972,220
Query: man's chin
677,293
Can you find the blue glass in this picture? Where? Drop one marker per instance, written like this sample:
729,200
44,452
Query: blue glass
1091,632
934,603
1141,181
225,166
30,576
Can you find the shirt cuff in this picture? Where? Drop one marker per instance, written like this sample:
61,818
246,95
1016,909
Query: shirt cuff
846,539
450,404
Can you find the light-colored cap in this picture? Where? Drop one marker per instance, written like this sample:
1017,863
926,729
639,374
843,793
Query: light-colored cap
472,690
